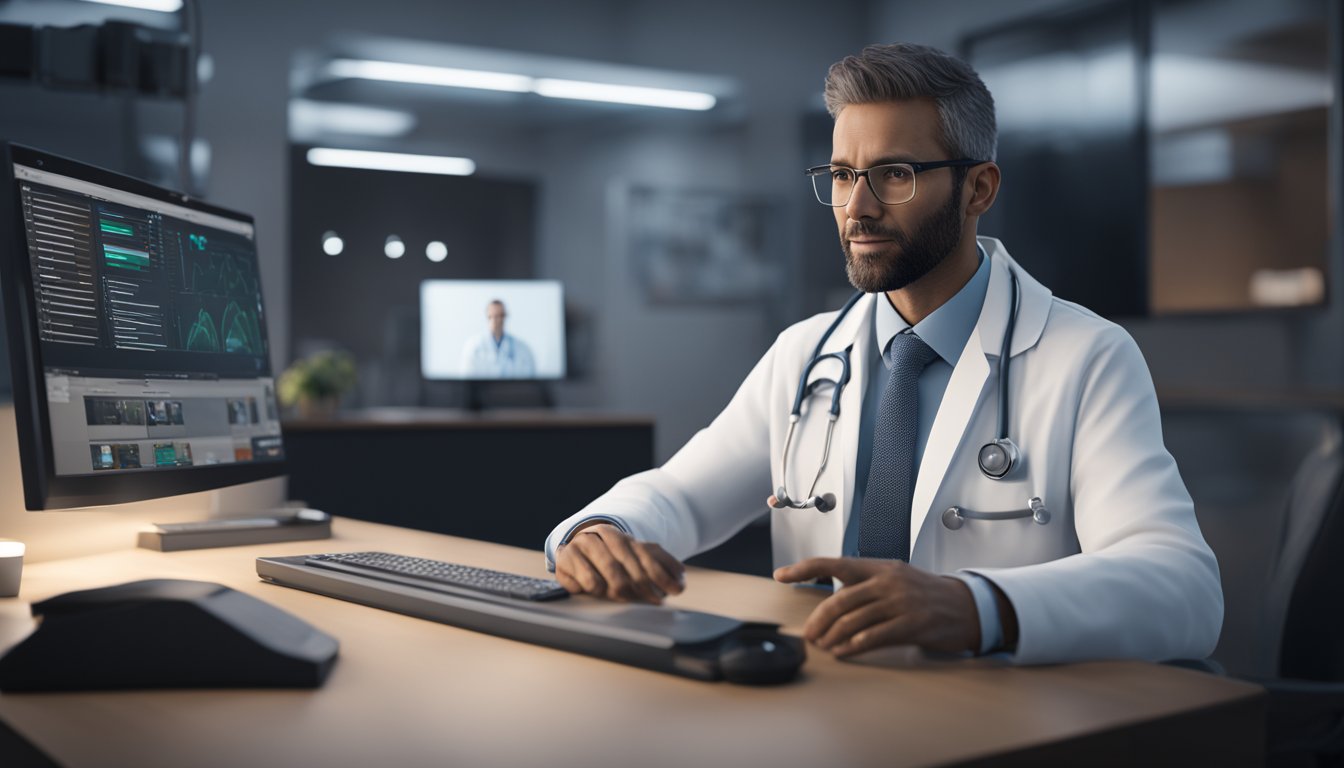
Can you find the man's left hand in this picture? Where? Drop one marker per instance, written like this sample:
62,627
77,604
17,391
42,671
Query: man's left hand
886,602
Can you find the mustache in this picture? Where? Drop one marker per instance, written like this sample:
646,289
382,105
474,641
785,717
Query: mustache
869,229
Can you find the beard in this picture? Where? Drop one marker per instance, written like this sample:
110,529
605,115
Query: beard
909,257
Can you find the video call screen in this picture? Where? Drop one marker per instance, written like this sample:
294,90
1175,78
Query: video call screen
478,330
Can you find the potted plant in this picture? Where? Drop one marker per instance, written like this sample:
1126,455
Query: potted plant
314,384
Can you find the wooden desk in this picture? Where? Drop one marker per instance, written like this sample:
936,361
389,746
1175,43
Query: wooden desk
408,692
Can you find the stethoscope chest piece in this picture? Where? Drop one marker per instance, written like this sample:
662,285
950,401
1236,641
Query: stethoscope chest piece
998,457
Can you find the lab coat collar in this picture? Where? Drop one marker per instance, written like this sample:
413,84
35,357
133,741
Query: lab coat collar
1034,306
966,389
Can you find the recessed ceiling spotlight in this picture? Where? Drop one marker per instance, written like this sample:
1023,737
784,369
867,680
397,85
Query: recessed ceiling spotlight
394,248
332,244
436,251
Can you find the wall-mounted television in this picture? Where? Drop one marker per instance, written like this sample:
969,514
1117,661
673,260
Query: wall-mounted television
491,330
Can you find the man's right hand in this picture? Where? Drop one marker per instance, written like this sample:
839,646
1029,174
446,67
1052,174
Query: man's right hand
605,561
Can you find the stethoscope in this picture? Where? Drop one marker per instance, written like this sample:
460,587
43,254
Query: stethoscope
505,341
997,458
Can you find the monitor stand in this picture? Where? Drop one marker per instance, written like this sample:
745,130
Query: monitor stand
255,513
508,393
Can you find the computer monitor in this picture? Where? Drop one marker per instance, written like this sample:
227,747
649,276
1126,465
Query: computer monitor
137,337
492,330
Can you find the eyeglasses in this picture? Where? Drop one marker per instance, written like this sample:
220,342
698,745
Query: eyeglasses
891,184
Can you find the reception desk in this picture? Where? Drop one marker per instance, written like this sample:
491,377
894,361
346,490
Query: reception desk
501,476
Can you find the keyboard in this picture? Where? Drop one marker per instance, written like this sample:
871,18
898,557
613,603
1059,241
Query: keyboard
677,641
437,574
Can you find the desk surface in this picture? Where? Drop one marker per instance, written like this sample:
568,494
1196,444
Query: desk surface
411,692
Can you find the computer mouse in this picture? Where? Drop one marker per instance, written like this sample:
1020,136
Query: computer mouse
761,656
166,633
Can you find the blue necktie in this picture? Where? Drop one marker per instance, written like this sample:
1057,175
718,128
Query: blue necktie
884,528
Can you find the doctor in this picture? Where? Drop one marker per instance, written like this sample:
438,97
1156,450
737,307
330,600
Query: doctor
989,473
496,354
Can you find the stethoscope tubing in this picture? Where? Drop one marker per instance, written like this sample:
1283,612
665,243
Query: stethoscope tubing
1001,447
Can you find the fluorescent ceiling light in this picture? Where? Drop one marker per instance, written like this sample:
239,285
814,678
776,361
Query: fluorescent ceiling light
165,6
581,90
391,161
423,75
312,118
624,94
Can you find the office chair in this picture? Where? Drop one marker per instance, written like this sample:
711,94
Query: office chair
1306,705
1286,601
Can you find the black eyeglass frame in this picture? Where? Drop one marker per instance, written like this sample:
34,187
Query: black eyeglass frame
915,168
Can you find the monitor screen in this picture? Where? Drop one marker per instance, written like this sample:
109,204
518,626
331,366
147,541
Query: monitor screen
492,329
137,336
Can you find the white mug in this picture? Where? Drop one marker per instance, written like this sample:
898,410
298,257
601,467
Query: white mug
11,567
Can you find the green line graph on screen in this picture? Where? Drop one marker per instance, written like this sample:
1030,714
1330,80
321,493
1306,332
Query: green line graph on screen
219,274
219,307
232,329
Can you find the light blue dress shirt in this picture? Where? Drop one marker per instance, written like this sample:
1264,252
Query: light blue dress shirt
946,330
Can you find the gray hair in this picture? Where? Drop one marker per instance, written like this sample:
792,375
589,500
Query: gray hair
906,71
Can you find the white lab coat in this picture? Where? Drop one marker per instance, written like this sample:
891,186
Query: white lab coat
511,358
1121,570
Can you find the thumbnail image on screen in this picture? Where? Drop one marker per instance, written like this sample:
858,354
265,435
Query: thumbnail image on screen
492,329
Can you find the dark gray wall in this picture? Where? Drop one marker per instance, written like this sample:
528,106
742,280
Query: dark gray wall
365,302
679,363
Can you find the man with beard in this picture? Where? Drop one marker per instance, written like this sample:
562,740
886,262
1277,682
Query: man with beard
935,528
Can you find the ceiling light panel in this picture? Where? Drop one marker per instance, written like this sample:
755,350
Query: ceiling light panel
624,94
419,74
391,161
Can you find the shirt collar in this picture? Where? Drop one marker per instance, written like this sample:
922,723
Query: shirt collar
948,327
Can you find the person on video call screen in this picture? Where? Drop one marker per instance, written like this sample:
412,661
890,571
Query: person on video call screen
496,354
